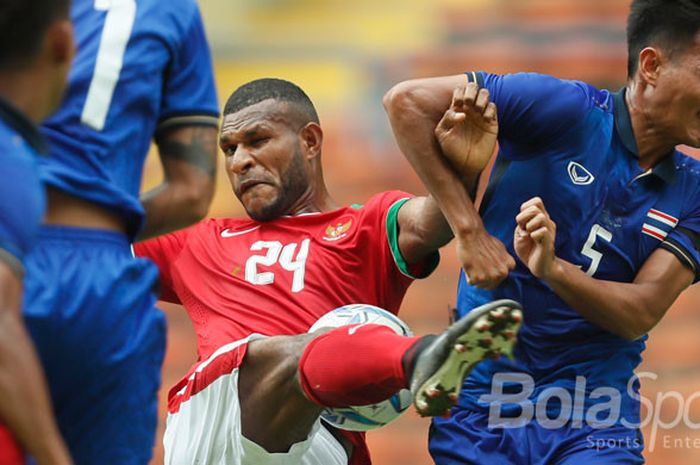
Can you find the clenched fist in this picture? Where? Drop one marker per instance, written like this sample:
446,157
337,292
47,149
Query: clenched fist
533,238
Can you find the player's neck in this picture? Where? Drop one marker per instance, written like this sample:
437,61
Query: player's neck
314,200
653,145
26,93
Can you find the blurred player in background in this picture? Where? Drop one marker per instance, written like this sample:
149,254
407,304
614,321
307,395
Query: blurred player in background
590,193
256,400
36,48
143,71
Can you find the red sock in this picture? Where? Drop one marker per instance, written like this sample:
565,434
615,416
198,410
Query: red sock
354,365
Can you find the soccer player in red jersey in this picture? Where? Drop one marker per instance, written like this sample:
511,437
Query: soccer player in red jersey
253,287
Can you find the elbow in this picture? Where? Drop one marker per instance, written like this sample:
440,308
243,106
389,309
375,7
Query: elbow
403,101
391,98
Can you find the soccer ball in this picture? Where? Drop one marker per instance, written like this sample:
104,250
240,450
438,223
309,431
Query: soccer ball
365,417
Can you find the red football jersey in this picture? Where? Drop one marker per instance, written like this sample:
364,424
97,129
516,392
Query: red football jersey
238,276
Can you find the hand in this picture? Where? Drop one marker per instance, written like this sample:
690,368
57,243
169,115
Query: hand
534,237
467,132
484,259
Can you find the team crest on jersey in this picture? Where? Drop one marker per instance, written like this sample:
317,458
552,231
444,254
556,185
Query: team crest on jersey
658,224
579,174
337,230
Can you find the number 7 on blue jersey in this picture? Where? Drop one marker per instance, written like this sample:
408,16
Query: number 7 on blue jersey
119,23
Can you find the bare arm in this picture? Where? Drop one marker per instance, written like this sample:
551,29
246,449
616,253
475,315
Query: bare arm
422,229
415,109
629,310
467,136
24,401
188,156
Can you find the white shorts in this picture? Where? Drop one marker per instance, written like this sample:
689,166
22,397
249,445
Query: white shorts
204,421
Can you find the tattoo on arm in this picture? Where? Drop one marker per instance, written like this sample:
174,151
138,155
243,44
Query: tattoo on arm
195,145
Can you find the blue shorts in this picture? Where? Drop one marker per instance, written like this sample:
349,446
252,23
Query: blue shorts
89,306
466,439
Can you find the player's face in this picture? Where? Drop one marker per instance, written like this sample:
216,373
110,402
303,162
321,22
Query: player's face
264,159
676,100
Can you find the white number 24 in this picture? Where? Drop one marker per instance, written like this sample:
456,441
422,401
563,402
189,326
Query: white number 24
119,22
277,253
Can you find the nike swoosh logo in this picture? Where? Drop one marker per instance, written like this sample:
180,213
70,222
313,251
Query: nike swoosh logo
227,233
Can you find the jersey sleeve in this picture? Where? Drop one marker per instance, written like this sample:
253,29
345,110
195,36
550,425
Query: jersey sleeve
19,220
384,208
164,251
684,242
535,112
189,94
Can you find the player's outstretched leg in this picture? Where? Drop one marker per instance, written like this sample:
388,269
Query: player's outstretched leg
365,364
440,368
275,414
285,381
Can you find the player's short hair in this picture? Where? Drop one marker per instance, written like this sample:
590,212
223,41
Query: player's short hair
671,24
270,88
23,24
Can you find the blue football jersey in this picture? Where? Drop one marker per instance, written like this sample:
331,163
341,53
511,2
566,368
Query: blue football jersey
21,195
572,145
142,66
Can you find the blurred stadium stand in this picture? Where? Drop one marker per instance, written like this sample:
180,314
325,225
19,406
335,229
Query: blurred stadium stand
346,55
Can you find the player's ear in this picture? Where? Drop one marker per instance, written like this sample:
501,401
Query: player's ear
311,139
650,60
59,43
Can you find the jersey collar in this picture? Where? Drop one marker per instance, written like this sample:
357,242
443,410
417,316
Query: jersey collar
665,169
23,126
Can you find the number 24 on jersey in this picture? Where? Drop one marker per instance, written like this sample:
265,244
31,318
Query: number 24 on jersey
275,252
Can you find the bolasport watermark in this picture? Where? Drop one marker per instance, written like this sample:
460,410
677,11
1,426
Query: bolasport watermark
601,408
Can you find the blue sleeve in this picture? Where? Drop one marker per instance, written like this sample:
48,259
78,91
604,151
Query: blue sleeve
189,89
684,242
535,112
21,209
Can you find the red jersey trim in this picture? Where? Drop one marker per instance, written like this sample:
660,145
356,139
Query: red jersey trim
222,362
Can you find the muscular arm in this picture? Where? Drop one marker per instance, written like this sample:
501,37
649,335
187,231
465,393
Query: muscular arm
629,310
24,401
188,156
415,108
422,229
